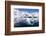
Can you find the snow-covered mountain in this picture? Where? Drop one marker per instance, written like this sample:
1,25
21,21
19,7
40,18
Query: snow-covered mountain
21,16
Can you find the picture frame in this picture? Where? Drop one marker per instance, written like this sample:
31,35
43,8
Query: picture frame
23,7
